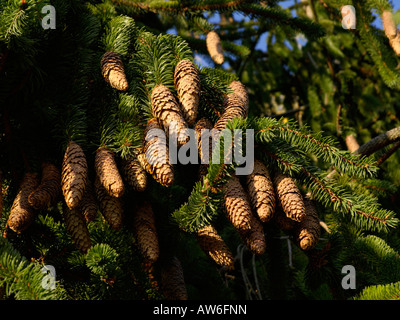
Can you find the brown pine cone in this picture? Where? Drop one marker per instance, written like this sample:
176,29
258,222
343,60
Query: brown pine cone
172,280
166,109
22,214
155,156
236,205
74,174
49,189
134,174
146,233
254,238
110,207
214,246
308,231
204,124
107,171
235,105
77,229
214,47
88,204
187,84
261,191
289,197
113,71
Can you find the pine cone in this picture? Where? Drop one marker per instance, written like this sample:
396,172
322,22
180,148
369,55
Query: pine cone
22,214
236,105
254,238
166,109
214,246
204,124
239,90
107,171
134,174
172,281
389,25
155,156
236,204
77,229
146,233
308,231
74,174
113,71
88,204
187,84
261,191
214,47
110,207
49,190
289,197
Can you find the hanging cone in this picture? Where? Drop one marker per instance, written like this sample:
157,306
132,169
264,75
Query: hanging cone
77,229
214,47
261,191
22,214
237,207
110,207
155,156
88,204
214,246
187,84
235,105
239,90
107,171
172,280
146,233
134,174
113,72
49,190
166,109
254,238
289,197
74,175
308,231
204,124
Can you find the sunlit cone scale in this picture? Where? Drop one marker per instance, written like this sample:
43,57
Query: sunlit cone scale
113,71
261,191
204,124
77,229
110,207
134,174
146,232
49,189
107,171
289,197
187,84
22,214
166,109
308,231
172,280
214,47
74,175
236,204
155,156
214,246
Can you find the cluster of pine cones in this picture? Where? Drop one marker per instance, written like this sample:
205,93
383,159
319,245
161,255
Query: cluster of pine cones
261,200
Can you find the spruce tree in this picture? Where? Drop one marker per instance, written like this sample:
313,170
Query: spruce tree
85,190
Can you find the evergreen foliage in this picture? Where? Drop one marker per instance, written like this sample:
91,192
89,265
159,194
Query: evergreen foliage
314,84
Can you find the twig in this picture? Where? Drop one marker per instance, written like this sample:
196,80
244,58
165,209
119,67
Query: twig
379,142
385,156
